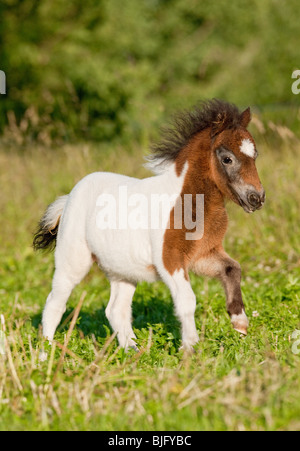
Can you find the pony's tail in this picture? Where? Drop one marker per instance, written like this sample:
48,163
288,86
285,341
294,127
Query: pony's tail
45,236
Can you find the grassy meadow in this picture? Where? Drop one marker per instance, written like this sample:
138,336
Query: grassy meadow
88,383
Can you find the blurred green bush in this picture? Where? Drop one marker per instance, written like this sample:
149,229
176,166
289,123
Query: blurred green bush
106,69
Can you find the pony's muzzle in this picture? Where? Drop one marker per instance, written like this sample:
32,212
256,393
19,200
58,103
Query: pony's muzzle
256,200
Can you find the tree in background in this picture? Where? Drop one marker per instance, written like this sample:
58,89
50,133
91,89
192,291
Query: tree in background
108,69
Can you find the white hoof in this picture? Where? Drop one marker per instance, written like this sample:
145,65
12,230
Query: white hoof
188,344
131,345
240,323
187,349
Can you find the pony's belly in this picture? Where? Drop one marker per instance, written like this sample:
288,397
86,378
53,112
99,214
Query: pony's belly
131,273
124,255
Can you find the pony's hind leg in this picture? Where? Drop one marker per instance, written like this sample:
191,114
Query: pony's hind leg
118,312
71,265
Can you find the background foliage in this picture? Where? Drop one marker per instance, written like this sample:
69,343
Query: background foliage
101,70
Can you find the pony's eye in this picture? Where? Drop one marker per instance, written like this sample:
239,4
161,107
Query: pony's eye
227,160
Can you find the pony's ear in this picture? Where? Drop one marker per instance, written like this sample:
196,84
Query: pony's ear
219,124
246,117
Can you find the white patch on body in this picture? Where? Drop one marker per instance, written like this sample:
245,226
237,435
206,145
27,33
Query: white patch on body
247,148
125,254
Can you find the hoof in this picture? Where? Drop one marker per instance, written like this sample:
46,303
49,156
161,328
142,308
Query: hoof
240,323
188,346
134,347
131,345
187,349
241,330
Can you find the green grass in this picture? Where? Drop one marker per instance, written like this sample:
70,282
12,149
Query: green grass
230,383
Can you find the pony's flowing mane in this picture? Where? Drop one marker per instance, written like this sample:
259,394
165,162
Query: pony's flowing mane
214,113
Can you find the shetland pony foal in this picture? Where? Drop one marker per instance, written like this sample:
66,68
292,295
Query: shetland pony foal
207,151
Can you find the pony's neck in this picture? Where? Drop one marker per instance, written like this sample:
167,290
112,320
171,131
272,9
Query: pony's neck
199,176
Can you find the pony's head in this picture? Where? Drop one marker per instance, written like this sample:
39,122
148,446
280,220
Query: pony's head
233,161
214,135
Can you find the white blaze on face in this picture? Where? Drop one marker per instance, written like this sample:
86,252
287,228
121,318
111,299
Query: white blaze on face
247,148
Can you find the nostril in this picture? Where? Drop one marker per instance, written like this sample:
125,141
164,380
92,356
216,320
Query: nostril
254,199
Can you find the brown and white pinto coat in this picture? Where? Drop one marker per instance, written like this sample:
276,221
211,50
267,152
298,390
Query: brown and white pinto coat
209,152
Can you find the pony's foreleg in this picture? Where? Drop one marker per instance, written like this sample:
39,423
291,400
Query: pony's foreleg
218,264
185,305
118,312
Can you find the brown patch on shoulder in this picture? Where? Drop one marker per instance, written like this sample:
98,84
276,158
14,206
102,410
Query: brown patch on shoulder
177,251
